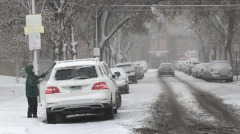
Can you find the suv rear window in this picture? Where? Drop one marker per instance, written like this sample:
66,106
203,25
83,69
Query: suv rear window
78,72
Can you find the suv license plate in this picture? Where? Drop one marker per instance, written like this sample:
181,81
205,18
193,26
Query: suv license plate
75,88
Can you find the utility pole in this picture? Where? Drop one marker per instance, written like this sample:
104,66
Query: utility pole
35,55
96,29
96,49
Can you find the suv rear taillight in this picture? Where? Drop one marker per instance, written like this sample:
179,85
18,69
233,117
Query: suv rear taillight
100,86
52,90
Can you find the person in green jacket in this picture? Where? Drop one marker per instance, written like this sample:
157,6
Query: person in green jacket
32,91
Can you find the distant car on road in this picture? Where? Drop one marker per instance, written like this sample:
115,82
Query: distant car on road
219,70
122,79
166,69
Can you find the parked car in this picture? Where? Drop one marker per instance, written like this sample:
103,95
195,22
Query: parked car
130,70
122,79
144,65
80,87
194,70
191,65
219,70
200,70
139,70
166,69
179,65
185,66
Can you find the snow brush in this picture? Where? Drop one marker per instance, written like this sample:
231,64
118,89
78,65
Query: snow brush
50,68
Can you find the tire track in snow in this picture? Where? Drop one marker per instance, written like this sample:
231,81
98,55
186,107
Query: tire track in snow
189,103
173,111
166,115
228,123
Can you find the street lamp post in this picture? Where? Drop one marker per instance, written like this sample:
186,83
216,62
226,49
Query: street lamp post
96,49
35,54
96,28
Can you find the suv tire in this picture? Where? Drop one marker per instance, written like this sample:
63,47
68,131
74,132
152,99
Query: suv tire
50,118
109,113
118,100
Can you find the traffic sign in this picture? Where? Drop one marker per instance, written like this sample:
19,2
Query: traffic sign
33,24
33,29
34,41
34,20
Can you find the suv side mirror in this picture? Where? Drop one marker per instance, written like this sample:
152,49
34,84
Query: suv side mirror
117,73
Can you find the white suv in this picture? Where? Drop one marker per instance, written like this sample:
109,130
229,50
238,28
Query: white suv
80,87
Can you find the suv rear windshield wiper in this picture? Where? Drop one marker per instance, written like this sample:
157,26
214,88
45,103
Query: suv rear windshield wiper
78,78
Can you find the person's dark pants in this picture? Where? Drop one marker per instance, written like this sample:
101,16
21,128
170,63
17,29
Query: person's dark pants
32,107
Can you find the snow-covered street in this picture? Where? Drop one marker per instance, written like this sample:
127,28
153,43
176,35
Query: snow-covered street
162,105
134,109
189,105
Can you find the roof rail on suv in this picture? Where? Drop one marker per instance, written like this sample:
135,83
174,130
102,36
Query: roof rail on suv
88,59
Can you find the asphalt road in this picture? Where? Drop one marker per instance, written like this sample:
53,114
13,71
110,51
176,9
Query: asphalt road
170,115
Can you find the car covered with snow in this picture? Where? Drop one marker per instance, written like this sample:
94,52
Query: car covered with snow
80,87
140,70
166,69
191,66
122,79
144,65
219,70
200,70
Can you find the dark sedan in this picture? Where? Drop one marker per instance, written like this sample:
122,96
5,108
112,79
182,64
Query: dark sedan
166,69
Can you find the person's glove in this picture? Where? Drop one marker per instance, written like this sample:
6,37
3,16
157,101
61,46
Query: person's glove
40,80
44,74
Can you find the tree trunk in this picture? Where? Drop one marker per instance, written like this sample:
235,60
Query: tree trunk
103,34
101,53
58,44
229,36
109,55
215,53
73,44
205,54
